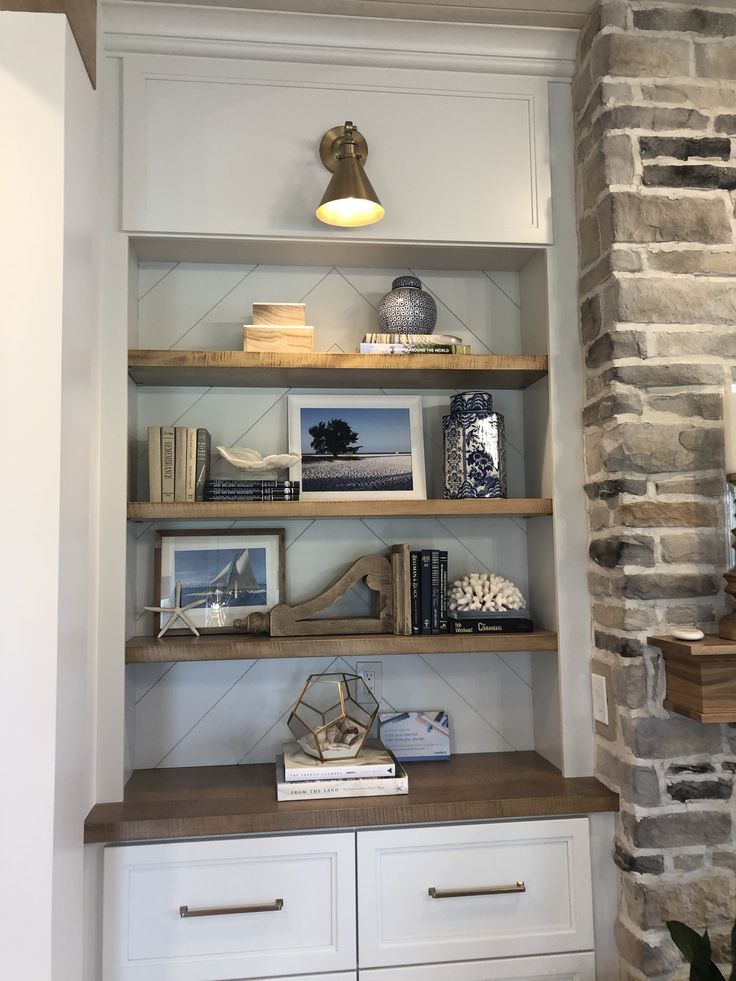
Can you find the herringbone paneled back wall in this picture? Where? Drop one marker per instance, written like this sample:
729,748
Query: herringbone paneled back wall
235,711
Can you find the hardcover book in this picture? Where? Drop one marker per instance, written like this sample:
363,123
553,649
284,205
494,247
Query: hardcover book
443,592
425,591
424,348
373,760
357,787
414,582
180,463
202,475
154,464
167,463
435,591
191,476
497,624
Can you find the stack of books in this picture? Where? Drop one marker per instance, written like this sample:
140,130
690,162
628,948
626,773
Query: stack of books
374,772
413,344
178,463
251,490
500,622
428,581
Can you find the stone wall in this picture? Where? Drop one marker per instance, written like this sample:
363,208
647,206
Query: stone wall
655,103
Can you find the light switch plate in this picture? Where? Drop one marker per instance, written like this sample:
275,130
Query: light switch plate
600,699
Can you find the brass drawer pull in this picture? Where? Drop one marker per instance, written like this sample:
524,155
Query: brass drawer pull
273,907
482,891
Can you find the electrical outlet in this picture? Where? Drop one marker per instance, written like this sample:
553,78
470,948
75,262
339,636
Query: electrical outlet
600,699
370,671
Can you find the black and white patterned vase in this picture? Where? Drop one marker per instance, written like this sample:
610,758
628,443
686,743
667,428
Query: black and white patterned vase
407,309
474,448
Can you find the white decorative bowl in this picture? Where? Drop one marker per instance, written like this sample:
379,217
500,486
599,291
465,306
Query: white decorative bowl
251,461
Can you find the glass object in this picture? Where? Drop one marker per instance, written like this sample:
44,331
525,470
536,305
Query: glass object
333,715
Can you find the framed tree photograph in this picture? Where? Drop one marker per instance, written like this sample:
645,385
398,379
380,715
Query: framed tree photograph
357,447
232,572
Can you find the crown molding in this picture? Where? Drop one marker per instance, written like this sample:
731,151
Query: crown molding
143,27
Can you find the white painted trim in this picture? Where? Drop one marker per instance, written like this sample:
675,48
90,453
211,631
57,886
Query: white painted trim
134,26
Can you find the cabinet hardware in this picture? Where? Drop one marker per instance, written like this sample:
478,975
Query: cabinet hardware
273,907
482,891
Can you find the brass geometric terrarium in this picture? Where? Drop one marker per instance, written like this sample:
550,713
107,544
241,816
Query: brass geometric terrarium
333,715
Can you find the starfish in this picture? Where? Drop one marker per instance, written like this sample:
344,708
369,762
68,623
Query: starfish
178,612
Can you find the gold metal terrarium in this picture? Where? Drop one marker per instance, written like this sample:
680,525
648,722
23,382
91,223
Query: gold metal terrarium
333,715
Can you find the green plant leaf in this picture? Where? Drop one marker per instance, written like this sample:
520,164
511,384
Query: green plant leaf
688,941
732,975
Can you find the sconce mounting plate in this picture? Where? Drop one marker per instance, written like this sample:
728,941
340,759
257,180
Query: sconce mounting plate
328,147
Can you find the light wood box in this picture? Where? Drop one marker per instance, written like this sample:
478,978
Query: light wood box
296,340
279,314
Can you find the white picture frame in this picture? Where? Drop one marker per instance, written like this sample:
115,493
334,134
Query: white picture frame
218,565
391,464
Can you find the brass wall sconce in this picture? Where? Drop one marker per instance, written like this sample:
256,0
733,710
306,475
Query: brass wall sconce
349,200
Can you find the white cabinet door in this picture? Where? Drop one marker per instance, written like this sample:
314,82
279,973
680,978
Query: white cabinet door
557,967
428,895
256,908
230,148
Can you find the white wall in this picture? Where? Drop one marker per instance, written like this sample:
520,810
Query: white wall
48,257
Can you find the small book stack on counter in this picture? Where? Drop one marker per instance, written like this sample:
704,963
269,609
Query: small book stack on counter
178,463
428,580
413,344
251,490
374,772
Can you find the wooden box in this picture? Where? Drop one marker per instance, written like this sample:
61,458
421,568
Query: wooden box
295,340
279,314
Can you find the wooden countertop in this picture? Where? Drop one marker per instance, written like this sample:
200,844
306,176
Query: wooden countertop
235,800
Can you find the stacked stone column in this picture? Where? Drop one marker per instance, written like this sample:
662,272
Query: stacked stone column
655,107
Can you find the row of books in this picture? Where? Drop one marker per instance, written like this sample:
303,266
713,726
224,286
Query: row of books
251,490
178,463
374,772
428,587
413,344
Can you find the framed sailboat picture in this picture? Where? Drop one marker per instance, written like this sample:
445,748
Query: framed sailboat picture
227,573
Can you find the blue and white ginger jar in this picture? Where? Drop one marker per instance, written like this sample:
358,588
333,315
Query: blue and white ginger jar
474,448
407,309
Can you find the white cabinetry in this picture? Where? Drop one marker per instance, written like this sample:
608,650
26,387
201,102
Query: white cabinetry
229,147
307,884
308,881
473,891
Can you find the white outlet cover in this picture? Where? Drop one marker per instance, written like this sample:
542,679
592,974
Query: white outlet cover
600,699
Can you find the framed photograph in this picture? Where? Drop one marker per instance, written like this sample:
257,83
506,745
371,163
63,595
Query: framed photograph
235,572
357,447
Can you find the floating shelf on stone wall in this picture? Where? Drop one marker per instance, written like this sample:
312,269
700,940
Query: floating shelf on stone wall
701,677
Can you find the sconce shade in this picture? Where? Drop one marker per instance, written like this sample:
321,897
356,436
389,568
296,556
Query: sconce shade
349,200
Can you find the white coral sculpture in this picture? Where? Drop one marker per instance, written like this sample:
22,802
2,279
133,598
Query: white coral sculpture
485,592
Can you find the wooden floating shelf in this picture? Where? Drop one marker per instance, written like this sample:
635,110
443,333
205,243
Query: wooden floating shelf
186,802
488,507
229,647
269,370
701,677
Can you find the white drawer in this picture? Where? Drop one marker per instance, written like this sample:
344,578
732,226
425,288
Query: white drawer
400,923
556,967
146,939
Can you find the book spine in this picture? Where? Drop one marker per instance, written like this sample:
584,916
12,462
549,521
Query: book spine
414,581
414,348
435,591
154,464
167,463
370,771
180,463
213,484
376,787
191,479
425,591
255,496
443,592
423,339
468,626
202,474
